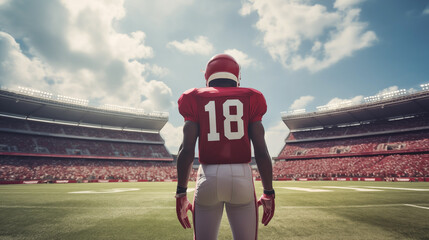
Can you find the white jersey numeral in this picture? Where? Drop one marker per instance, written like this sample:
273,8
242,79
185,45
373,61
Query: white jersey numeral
213,135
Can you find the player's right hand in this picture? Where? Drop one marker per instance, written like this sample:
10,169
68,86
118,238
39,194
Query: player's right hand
182,207
267,202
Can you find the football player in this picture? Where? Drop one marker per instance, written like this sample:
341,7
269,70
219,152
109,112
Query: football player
224,118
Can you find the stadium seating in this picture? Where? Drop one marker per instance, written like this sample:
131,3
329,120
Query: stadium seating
410,141
362,128
48,169
396,148
383,149
33,137
68,146
80,153
79,131
415,165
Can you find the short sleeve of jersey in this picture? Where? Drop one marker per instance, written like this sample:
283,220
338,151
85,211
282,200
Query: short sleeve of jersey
188,106
258,107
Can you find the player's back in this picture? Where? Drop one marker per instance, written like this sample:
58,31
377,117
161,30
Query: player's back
223,115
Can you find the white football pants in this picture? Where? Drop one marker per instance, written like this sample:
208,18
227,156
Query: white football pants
229,185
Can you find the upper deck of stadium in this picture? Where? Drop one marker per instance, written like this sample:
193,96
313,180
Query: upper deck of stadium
33,104
397,106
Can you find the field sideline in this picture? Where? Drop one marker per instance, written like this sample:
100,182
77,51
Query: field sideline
304,210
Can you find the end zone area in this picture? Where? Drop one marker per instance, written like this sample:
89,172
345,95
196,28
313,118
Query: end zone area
146,210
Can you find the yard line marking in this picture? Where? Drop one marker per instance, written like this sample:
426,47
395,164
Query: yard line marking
306,189
412,205
59,192
161,207
407,189
347,206
82,207
355,188
114,190
35,192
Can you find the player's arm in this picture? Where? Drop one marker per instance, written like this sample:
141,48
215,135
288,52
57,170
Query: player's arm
262,157
263,160
185,158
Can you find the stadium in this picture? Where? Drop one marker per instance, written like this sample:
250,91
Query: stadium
359,161
384,139
47,138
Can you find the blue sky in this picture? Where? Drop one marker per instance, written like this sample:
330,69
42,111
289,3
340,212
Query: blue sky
144,54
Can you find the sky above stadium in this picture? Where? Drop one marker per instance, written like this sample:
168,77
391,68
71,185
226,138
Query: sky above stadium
300,54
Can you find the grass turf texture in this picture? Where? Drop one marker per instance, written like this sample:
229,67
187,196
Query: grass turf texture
147,211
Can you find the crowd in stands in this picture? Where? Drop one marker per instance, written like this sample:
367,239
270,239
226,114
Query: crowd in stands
80,131
408,165
34,137
418,140
398,154
48,169
14,168
403,152
85,148
23,143
416,165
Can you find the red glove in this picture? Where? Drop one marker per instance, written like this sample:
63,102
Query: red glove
182,207
267,201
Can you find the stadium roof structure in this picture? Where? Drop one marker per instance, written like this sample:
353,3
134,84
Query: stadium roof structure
24,106
405,105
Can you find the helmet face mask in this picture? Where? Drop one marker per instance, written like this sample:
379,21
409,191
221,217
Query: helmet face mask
222,66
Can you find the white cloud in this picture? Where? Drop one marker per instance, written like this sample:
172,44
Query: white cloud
158,70
352,101
173,137
160,13
412,90
288,26
158,94
426,10
275,136
16,69
4,1
246,8
200,46
344,4
72,48
243,59
128,47
387,90
301,102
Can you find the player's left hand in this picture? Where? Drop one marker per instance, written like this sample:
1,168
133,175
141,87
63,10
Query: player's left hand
182,207
267,202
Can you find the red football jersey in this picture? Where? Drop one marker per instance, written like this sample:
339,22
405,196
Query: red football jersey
223,115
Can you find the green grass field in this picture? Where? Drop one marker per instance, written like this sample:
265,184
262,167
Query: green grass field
147,211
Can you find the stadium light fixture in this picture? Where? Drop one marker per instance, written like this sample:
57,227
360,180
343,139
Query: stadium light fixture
72,100
34,93
425,86
83,102
386,95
